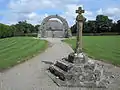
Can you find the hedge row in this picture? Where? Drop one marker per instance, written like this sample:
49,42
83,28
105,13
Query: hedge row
10,31
6,31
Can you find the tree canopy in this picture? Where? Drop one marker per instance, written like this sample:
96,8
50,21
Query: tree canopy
20,29
102,24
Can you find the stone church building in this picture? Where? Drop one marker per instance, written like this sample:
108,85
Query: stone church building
54,28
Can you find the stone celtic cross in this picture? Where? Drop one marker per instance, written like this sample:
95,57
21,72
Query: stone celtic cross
80,11
79,20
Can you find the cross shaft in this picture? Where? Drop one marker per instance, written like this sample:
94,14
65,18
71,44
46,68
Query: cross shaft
79,20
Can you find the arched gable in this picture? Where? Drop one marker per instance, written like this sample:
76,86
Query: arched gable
42,28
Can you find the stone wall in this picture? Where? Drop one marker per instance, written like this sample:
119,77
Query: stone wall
54,34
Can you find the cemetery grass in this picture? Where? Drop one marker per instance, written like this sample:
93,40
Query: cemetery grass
104,48
18,49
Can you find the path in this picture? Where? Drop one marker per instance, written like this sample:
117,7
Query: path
31,75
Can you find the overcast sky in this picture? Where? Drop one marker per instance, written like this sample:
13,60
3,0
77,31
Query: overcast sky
12,11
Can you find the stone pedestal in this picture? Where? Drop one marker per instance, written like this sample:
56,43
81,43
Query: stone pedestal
78,71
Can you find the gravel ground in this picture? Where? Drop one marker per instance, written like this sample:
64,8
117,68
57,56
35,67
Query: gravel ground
31,75
114,72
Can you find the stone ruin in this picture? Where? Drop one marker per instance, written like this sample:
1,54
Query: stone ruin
78,71
54,28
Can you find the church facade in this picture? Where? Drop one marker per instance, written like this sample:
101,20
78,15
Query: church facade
54,28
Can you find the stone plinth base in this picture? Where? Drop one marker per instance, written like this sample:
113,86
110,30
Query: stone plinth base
78,71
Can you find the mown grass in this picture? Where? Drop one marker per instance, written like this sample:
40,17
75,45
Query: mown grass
18,49
106,48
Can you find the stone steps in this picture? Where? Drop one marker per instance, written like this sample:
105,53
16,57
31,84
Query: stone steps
57,72
60,69
76,71
64,65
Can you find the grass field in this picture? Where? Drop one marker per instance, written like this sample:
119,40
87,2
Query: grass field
18,49
106,48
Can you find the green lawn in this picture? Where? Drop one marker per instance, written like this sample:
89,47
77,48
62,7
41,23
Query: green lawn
18,49
106,48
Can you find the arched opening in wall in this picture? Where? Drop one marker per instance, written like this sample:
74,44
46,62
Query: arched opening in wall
55,25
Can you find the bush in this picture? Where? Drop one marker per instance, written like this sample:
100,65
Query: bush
10,31
6,31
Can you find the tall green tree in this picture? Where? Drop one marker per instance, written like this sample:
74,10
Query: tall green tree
89,27
118,26
103,23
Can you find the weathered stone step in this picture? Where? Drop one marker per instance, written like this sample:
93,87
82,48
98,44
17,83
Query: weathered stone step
57,72
64,65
